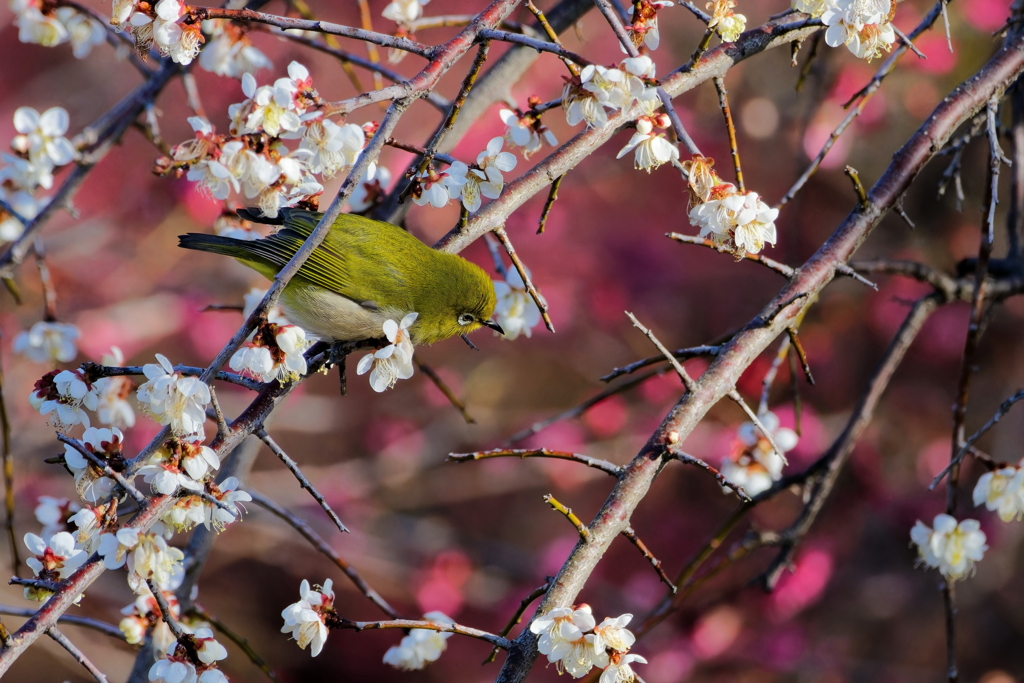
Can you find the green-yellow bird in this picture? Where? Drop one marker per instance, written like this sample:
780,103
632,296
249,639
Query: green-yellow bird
364,273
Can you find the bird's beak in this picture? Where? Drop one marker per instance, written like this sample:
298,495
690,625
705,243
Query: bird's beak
494,326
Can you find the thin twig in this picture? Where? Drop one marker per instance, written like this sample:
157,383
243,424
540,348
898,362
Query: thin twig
8,466
688,459
596,463
94,624
550,202
531,289
801,354
139,497
780,268
94,371
573,519
649,556
79,656
446,390
973,439
769,377
516,618
406,624
238,640
222,426
552,35
321,545
862,195
681,354
293,467
730,127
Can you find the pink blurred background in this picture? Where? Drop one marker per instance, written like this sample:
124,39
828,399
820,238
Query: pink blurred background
473,539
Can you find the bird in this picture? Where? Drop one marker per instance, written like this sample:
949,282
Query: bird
364,273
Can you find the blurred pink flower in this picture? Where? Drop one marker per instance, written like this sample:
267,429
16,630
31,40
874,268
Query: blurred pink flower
441,584
607,418
716,631
986,15
673,665
940,59
803,587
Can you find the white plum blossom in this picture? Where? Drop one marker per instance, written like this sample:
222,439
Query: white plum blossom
516,311
24,205
276,353
36,27
207,647
393,362
815,8
48,342
42,136
54,514
334,148
84,32
612,634
89,524
526,132
564,639
619,670
371,189
421,646
226,492
728,24
274,108
651,150
230,52
114,408
863,26
586,98
742,222
305,619
485,178
174,399
53,560
64,396
159,25
404,11
180,463
644,29
950,547
756,466
90,482
1002,491
221,175
434,188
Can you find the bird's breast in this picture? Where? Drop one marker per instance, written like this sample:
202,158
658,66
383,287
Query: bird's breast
331,316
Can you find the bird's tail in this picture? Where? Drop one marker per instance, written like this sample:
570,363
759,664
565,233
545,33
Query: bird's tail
228,246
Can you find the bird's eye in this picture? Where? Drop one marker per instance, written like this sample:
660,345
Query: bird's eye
465,319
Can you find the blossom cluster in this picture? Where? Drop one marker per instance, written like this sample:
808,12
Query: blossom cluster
45,24
1002,491
421,646
727,23
525,129
598,89
274,351
394,361
739,221
461,181
863,26
643,27
253,159
229,52
306,620
38,150
516,311
159,25
755,465
574,641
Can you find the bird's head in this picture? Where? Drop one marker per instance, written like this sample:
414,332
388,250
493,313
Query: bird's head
461,300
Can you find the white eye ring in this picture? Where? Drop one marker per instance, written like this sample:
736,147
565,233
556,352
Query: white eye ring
465,319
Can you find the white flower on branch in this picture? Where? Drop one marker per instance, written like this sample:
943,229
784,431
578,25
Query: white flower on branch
276,352
90,482
393,362
950,547
220,175
305,619
619,670
36,27
564,639
372,189
23,203
756,466
48,342
179,463
404,11
333,148
207,647
644,29
142,614
113,408
230,52
743,222
526,132
863,26
484,179
226,492
815,8
421,646
612,634
1002,491
174,399
55,514
431,187
64,395
728,24
84,32
89,522
42,136
651,150
516,311
153,559
53,560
